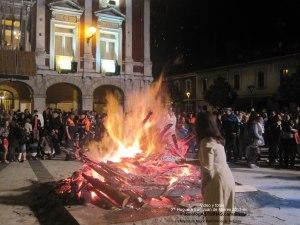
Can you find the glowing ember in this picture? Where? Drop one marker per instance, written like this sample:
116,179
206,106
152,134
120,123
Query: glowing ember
173,180
93,195
185,171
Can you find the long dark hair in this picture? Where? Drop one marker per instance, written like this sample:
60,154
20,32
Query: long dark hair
207,127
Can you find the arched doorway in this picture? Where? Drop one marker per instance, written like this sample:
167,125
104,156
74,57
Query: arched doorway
100,96
64,96
15,95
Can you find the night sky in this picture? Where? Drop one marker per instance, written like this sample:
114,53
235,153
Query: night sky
188,35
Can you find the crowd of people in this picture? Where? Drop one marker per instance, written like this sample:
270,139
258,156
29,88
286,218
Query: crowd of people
43,135
24,135
246,133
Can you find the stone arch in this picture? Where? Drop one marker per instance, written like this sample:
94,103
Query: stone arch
9,89
99,96
119,83
76,82
20,97
64,95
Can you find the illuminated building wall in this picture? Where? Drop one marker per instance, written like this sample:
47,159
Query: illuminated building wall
86,44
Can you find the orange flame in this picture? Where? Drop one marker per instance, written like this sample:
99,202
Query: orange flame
129,133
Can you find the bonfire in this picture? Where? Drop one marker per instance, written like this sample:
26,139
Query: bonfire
136,163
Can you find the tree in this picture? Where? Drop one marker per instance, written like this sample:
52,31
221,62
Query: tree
220,94
289,88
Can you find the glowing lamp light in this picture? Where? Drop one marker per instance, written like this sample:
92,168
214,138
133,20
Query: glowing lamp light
90,32
64,62
188,94
16,34
2,97
108,66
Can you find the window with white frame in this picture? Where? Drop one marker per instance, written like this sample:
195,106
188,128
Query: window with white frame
64,46
109,50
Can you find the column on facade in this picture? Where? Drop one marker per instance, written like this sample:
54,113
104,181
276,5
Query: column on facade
40,32
128,30
87,102
147,59
27,31
128,88
87,94
27,38
88,22
39,102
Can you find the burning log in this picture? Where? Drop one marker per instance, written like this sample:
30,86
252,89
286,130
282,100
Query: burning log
166,128
114,172
105,168
116,197
174,138
102,200
135,198
147,117
108,174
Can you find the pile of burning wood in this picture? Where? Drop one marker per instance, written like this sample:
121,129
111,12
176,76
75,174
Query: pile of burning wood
141,166
133,182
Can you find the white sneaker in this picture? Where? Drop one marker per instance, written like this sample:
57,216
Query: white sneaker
253,166
7,162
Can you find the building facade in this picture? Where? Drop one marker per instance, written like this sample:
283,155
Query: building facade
257,80
69,53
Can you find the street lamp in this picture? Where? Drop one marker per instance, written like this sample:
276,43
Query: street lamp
251,89
188,94
90,33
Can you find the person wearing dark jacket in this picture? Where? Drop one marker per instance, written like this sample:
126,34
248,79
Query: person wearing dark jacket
23,138
273,130
288,143
13,140
230,127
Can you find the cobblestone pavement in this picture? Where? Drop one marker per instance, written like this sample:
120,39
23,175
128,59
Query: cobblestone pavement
277,202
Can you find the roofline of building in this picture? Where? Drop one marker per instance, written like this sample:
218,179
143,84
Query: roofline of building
197,72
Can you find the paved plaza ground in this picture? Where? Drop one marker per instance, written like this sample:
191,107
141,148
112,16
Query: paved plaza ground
25,197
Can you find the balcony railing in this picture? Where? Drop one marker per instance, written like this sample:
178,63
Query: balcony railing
17,63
